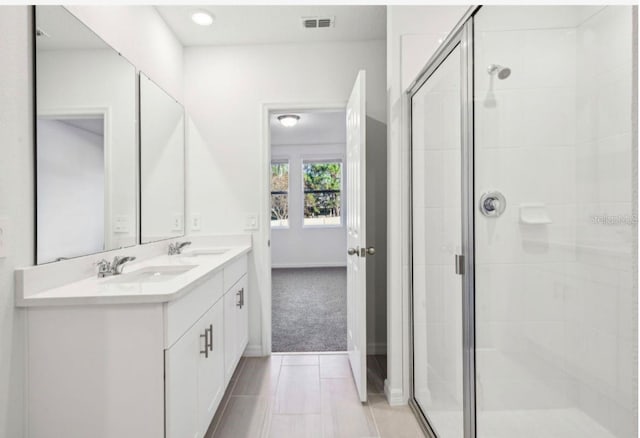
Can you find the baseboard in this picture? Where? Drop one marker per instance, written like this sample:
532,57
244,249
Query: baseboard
377,348
253,351
308,265
395,397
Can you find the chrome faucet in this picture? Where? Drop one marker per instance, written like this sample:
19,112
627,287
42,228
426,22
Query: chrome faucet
176,248
106,268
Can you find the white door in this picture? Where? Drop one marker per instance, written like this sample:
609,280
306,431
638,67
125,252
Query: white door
356,236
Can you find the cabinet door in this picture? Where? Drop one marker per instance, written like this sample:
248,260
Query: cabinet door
181,385
230,332
242,320
211,381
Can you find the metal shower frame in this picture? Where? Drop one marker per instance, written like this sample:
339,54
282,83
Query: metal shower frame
461,36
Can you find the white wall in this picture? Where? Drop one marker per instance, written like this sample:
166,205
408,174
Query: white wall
16,204
162,154
413,34
225,88
296,245
70,192
73,82
142,41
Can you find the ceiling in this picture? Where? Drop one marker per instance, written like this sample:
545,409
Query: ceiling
314,127
274,24
93,125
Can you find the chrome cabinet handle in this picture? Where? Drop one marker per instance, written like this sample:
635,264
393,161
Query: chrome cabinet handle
239,302
353,251
242,297
210,331
206,344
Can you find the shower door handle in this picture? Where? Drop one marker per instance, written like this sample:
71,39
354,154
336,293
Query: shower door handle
459,262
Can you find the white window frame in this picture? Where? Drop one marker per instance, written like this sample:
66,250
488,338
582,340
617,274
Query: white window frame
281,160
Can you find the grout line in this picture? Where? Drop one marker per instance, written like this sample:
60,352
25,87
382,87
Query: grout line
308,353
373,416
224,408
266,425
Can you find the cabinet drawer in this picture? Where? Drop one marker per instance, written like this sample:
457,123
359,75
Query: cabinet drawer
182,313
234,271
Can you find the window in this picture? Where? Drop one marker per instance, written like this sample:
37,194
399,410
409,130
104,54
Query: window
279,193
322,184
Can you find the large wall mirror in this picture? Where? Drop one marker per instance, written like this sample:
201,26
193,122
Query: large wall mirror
86,145
162,175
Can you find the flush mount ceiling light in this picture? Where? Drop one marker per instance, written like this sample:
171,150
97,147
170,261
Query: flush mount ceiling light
202,18
288,120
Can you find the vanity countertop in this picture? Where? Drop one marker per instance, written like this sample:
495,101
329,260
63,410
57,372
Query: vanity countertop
116,290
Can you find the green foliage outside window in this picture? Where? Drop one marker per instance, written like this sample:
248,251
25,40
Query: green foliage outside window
322,185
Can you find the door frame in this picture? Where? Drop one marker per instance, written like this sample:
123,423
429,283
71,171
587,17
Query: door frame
264,218
62,113
461,35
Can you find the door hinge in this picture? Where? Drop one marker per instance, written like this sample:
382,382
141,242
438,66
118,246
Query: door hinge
459,264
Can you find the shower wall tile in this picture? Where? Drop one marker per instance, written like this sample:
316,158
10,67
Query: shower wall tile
556,309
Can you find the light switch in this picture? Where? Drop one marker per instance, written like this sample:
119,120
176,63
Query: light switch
196,222
4,231
252,222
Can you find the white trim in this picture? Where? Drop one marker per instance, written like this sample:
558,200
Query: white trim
309,265
254,350
395,397
265,201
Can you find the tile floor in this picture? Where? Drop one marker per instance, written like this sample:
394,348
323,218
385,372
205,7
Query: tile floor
308,396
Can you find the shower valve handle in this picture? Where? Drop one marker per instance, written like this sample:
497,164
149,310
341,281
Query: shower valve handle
492,204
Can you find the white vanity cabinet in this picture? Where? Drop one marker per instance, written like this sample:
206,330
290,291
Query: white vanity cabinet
235,325
236,321
194,376
137,369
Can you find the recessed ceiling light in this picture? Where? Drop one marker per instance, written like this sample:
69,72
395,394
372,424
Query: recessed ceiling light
288,120
202,18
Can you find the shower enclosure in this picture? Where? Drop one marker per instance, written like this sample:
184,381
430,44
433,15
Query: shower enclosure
524,225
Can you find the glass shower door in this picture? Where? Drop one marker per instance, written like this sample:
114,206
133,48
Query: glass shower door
436,238
555,302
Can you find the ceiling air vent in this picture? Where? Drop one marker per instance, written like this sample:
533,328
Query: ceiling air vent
317,22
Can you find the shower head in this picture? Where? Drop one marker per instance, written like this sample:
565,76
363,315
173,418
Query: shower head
503,72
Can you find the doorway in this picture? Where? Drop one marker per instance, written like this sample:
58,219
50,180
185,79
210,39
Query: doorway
308,233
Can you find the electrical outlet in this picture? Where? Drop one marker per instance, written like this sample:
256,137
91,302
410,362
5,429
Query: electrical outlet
196,222
177,222
121,224
4,231
252,223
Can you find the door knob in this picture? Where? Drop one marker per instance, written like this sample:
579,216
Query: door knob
352,251
492,204
371,250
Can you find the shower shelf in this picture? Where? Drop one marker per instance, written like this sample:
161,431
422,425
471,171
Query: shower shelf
534,214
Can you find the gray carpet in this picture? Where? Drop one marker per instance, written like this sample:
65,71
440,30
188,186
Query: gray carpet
309,309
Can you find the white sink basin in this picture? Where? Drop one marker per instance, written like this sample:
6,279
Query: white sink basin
199,252
151,274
